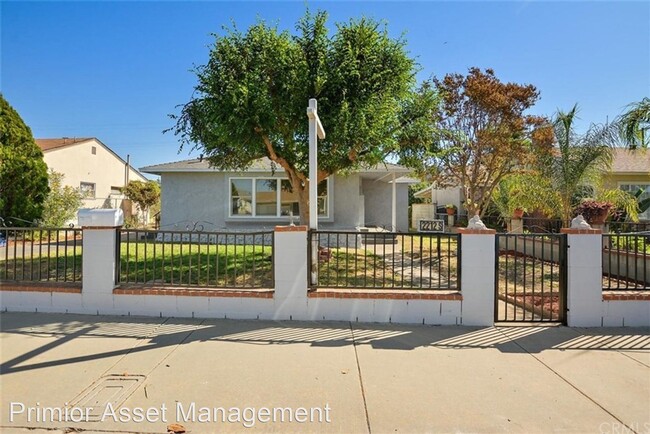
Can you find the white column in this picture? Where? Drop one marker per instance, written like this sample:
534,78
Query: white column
290,261
477,276
393,217
584,277
99,260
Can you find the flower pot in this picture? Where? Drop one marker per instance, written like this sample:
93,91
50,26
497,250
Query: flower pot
599,218
451,211
518,213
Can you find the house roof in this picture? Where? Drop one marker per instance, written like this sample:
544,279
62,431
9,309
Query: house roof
627,161
48,145
262,165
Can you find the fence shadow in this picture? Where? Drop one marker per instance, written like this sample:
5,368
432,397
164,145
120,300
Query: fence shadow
154,333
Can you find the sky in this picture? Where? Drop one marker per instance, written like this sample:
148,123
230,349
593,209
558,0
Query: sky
116,70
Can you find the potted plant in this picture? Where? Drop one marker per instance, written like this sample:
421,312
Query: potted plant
518,212
451,209
595,212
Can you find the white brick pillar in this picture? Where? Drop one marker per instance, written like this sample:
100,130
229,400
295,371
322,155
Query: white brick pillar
584,277
290,260
477,276
99,250
516,226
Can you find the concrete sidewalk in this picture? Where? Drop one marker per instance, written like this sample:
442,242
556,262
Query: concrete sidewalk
364,377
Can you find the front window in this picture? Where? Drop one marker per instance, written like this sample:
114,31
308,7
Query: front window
269,197
633,189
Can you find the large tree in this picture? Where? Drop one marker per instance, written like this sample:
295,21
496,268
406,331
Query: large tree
484,134
251,99
23,173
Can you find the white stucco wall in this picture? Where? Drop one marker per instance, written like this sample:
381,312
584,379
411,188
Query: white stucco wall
78,164
203,197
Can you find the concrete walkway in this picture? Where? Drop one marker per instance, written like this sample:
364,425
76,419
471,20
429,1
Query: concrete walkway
364,377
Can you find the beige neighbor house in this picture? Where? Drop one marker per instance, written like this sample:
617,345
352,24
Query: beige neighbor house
630,170
88,164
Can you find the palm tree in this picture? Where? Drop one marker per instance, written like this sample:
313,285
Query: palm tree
634,124
577,161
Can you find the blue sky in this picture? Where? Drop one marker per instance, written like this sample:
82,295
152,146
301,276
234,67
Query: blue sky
115,70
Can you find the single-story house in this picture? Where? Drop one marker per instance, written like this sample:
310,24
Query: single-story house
92,167
261,197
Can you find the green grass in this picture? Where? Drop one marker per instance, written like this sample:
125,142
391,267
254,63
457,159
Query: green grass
65,268
196,264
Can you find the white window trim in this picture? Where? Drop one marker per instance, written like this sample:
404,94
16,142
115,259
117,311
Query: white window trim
275,217
94,196
637,183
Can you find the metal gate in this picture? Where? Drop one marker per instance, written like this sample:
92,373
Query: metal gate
530,278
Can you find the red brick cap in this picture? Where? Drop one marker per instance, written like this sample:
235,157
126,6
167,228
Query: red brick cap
467,231
575,231
291,229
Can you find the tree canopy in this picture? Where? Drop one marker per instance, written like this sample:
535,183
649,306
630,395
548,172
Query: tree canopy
251,99
23,173
144,194
635,123
483,134
62,202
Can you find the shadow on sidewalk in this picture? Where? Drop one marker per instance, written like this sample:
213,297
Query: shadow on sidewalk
154,333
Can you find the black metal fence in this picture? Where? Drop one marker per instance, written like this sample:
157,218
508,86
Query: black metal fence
530,277
626,261
202,259
386,260
40,254
629,227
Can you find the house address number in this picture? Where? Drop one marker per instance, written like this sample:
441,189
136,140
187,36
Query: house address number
432,226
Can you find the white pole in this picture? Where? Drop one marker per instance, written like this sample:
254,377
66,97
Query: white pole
312,113
315,131
394,208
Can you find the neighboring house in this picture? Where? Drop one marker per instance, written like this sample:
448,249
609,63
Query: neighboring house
261,197
91,166
630,171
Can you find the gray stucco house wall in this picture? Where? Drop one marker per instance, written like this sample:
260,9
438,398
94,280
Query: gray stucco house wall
193,192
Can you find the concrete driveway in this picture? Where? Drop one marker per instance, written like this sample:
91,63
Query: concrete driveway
233,376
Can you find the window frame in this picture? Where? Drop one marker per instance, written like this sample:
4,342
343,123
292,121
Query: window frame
278,204
94,190
645,184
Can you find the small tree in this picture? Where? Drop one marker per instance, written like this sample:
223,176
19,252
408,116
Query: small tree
577,161
483,134
62,202
635,123
252,95
144,194
23,173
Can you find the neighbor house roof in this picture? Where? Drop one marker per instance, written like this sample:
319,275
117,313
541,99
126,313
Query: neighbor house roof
261,165
627,161
49,144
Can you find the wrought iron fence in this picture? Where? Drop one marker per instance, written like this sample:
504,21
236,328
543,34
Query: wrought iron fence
530,277
628,227
626,261
202,259
387,260
40,254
